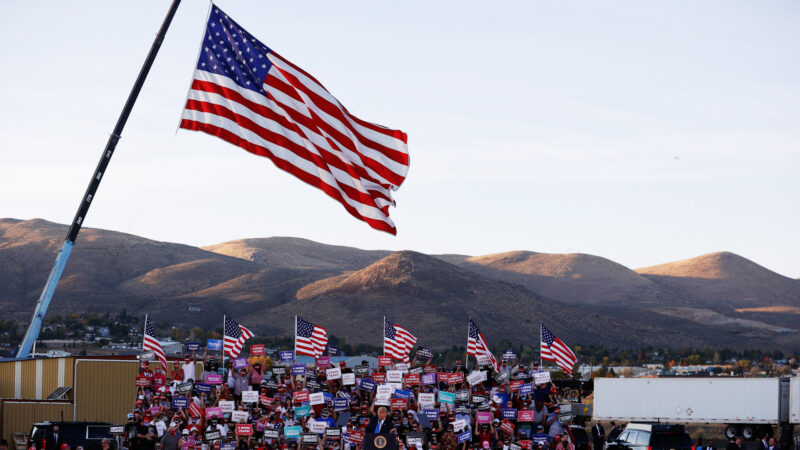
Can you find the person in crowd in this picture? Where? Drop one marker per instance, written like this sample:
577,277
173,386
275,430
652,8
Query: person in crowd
598,436
614,432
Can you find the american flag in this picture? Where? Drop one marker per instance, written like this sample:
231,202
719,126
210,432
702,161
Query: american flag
245,93
476,345
310,339
195,410
151,342
235,336
397,341
554,349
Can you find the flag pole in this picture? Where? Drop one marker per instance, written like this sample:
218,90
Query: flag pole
466,354
66,247
383,335
222,350
294,353
541,360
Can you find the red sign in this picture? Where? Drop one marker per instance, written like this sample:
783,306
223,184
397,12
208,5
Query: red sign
379,377
429,368
301,396
266,401
257,349
514,385
142,381
524,416
356,436
507,426
399,403
384,361
244,429
412,379
457,377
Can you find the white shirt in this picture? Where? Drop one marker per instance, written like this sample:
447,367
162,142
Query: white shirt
160,427
188,371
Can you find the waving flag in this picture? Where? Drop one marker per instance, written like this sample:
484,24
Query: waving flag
235,336
397,341
476,345
151,342
309,339
245,93
554,349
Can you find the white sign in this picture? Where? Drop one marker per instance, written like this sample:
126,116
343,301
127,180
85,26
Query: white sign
383,401
541,377
250,396
334,374
384,390
394,376
426,400
227,406
317,426
483,360
459,425
395,386
317,398
476,377
348,379
402,367
239,416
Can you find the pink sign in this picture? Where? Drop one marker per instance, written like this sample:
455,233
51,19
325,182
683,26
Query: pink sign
483,417
213,378
525,416
214,411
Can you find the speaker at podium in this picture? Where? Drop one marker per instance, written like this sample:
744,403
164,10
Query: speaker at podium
380,441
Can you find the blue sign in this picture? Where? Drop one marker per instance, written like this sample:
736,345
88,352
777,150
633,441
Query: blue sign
431,414
333,350
539,438
302,411
298,369
367,385
526,389
341,404
464,437
287,356
193,346
214,344
406,394
180,402
510,414
508,355
203,387
228,446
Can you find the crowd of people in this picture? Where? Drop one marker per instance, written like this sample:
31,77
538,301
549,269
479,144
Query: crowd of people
250,403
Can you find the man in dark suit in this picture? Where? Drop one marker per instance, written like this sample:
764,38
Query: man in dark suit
598,436
54,439
614,432
379,423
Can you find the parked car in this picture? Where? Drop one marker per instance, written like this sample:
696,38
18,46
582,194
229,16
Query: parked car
652,436
90,435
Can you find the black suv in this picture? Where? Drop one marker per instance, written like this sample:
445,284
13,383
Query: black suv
652,436
90,435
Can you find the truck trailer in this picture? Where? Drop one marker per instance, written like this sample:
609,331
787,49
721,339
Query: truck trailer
748,406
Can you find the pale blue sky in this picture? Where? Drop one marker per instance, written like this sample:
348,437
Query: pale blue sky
643,132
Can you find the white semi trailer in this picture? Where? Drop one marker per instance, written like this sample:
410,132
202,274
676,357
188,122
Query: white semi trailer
748,406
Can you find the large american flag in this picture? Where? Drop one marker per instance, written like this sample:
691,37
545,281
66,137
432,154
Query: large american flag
248,95
235,336
554,349
151,342
476,345
397,341
310,339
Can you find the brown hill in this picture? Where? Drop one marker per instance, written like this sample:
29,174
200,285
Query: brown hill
297,253
724,279
572,278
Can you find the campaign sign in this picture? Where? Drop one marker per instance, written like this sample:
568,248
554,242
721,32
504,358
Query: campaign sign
483,360
180,402
244,429
526,389
384,390
278,370
298,369
384,361
192,346
142,381
302,411
456,378
476,377
539,438
271,384
227,406
300,396
292,432
402,367
507,426
271,433
367,385
399,403
213,378
334,374
240,363
361,371
264,400
323,361
462,395
394,376
431,414
333,350
416,369
459,425
316,398
185,387
479,398
541,377
226,446
412,379
428,379
250,396
214,344
312,382
356,437
204,388
257,350
341,404
510,414
214,411
509,355
239,416
429,368
348,379
426,399
502,376
212,435
287,355
413,441
483,417
424,352
402,393
514,446
464,437
463,409
382,401
447,397
333,433
379,377
514,385
525,416
310,438
317,426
